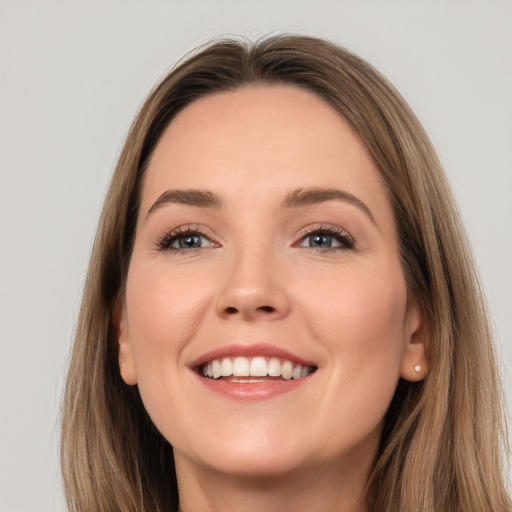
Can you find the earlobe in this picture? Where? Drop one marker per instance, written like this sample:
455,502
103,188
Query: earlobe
414,363
126,360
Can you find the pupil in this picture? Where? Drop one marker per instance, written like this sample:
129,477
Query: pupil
322,240
190,241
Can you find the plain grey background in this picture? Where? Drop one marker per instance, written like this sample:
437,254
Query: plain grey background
73,75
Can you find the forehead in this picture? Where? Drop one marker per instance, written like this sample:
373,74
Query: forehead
261,141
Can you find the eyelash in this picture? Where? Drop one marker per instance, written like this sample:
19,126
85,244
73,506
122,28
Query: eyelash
165,243
345,239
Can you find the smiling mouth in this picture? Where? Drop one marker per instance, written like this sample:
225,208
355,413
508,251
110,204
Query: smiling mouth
242,369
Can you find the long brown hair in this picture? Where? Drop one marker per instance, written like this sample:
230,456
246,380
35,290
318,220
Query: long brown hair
441,441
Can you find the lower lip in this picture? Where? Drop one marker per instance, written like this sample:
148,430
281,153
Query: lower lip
263,390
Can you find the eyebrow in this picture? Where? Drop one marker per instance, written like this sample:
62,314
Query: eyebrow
296,198
315,195
198,198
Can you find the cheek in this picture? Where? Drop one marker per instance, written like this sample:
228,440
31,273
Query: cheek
164,310
359,318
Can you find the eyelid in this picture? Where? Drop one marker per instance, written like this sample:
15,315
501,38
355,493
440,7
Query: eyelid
330,229
164,241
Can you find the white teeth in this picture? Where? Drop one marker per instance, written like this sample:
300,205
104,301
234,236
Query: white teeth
241,367
216,369
287,370
258,366
274,367
226,367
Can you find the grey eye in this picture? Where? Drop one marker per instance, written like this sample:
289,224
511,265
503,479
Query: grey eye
191,241
323,241
320,240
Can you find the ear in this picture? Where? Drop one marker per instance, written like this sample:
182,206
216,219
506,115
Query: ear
125,352
414,363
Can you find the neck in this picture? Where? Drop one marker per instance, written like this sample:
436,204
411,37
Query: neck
322,489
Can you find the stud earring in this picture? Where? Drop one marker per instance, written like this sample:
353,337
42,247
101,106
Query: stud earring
417,368
121,369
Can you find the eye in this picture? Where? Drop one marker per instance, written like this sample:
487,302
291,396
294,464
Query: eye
185,240
191,241
327,238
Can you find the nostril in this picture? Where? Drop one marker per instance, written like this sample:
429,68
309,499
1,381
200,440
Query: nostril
232,311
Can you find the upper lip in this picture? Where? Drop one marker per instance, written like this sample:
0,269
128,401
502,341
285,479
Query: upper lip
248,350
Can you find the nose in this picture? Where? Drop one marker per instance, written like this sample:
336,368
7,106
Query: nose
254,288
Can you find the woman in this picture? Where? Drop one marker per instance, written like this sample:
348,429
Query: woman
281,311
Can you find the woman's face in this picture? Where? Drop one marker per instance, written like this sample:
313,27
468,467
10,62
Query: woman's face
266,247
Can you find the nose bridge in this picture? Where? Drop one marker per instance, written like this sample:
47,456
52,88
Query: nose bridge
253,286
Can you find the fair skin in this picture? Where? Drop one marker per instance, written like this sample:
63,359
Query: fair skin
286,249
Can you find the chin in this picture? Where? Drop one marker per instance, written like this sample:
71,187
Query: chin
258,454
263,466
